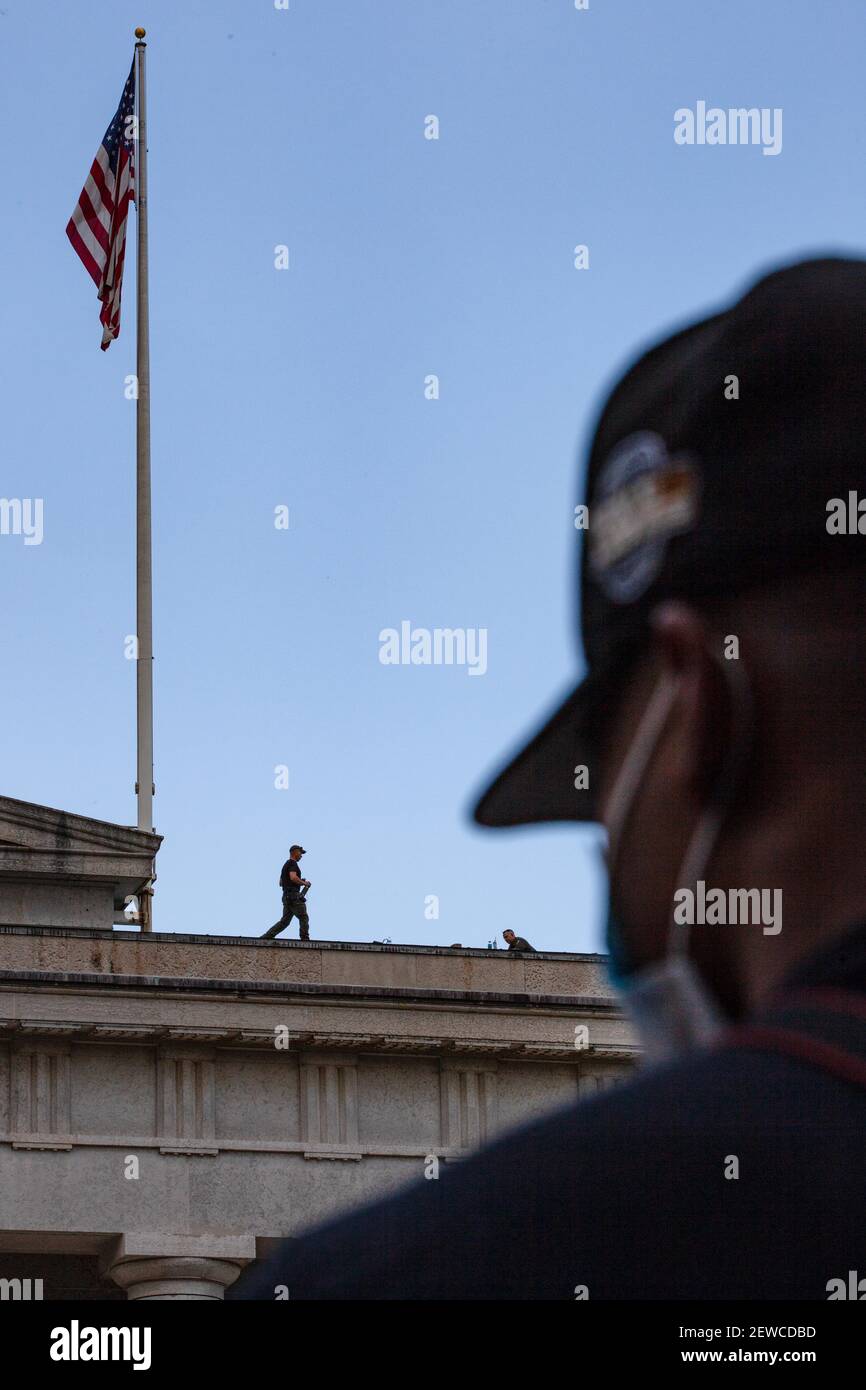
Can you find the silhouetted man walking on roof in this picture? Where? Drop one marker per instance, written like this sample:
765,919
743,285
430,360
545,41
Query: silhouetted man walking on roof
294,904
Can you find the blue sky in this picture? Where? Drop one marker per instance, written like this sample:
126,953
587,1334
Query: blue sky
305,388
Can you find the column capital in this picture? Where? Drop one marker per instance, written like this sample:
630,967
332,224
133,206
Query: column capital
175,1277
184,1267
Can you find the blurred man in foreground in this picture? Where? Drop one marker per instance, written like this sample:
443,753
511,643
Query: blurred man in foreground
722,726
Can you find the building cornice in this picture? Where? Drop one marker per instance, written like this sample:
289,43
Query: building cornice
286,990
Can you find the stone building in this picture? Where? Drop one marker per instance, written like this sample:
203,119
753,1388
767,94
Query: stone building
171,1105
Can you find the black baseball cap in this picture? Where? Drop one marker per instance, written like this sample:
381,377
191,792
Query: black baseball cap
714,466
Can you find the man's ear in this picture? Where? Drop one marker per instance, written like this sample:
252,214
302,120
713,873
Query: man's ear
699,728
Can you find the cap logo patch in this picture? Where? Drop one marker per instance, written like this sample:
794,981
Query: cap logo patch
642,498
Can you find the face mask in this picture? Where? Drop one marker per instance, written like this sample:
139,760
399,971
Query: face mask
671,1008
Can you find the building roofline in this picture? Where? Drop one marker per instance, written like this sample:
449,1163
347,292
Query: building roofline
205,938
73,825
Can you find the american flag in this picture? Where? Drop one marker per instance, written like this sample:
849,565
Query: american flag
97,227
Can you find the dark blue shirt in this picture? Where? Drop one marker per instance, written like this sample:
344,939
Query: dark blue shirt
293,889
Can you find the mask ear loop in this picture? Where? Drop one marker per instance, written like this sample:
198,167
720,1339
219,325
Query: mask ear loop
706,833
621,800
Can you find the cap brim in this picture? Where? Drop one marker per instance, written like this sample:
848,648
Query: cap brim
539,784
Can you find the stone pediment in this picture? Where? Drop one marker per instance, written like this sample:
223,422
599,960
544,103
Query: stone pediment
62,869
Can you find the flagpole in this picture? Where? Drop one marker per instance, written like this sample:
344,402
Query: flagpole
144,579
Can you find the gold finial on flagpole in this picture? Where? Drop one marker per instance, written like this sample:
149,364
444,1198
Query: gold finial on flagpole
140,33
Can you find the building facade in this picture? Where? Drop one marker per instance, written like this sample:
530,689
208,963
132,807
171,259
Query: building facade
171,1105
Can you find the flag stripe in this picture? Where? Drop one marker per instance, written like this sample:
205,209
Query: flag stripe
97,174
89,263
102,207
91,219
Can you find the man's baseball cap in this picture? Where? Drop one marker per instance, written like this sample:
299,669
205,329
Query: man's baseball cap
299,848
728,454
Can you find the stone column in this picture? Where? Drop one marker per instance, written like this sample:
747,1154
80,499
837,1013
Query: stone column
168,1267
